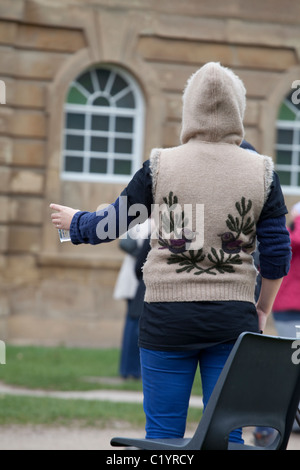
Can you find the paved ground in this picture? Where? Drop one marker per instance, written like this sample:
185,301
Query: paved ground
61,438
72,438
79,438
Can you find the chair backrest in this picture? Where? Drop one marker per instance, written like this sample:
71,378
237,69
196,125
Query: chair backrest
259,386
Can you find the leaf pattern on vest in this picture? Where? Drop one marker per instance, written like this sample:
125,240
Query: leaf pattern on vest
231,243
221,260
191,261
173,223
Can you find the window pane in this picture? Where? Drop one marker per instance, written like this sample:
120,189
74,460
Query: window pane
100,123
98,165
284,157
105,128
74,142
123,145
122,167
102,75
86,81
75,121
74,164
285,136
99,144
75,96
101,101
285,113
284,177
124,124
127,101
118,85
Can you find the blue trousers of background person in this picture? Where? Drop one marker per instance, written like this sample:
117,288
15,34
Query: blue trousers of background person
130,356
168,378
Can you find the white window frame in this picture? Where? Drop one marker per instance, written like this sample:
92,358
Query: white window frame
137,135
294,148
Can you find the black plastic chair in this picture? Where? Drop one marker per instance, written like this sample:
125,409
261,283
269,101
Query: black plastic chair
259,386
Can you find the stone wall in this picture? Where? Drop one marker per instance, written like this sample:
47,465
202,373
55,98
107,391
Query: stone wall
54,293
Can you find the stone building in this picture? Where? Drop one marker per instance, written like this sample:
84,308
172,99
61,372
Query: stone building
91,86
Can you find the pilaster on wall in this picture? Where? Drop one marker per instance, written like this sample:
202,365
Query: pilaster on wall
276,94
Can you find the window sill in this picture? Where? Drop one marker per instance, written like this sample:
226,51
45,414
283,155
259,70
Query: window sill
290,190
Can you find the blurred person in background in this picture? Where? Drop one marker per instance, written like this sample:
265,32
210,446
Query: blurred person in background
286,307
129,288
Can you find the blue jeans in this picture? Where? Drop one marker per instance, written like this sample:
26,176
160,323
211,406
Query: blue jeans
168,378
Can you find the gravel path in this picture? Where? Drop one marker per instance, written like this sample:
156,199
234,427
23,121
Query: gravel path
60,438
76,438
15,437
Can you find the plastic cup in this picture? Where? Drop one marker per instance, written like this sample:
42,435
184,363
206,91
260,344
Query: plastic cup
64,235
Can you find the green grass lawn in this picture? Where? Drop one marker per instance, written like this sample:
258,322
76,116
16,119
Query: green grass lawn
54,411
61,368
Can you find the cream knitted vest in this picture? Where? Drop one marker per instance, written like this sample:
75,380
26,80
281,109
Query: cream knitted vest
209,194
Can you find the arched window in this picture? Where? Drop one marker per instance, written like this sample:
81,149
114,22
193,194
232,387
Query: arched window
288,144
104,123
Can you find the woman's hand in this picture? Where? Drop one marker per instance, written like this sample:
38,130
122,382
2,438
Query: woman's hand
268,292
63,216
262,319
